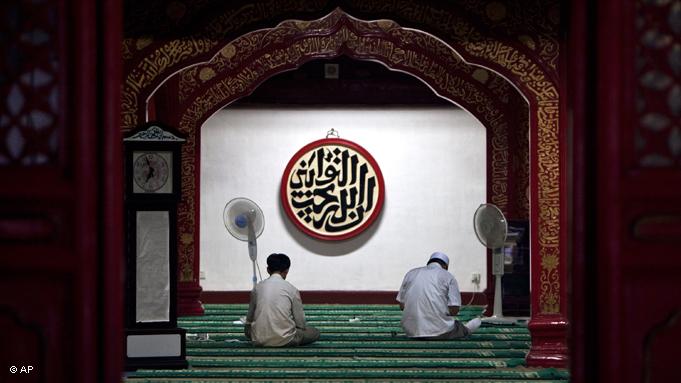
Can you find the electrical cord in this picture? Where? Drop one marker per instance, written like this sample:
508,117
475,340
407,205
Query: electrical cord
472,296
258,267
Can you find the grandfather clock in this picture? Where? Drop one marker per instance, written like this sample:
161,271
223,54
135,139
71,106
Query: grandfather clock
152,191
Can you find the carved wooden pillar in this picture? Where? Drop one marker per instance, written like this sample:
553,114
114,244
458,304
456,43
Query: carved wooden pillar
548,261
628,107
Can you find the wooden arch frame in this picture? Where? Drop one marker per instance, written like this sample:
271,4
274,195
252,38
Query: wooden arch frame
528,74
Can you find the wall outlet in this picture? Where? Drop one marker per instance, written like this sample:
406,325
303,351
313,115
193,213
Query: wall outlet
475,279
202,275
331,71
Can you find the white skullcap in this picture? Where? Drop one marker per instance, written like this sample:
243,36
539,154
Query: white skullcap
441,256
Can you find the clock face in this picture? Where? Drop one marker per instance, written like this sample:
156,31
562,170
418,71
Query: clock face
152,172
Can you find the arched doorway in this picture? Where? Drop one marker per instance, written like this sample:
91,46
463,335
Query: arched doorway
255,56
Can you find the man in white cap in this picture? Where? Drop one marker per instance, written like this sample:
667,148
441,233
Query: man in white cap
430,298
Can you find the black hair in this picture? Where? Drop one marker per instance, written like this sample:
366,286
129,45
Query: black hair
441,262
278,262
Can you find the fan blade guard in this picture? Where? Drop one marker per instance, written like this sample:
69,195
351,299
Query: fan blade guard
490,226
236,211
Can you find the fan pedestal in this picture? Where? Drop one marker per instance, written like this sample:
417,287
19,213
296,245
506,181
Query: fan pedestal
497,315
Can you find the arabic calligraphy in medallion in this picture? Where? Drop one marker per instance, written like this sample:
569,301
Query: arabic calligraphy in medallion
332,189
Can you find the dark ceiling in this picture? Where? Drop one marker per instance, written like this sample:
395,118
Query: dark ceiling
358,83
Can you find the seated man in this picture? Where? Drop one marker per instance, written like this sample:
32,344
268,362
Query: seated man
275,315
430,297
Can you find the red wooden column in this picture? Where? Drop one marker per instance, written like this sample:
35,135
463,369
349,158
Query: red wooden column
548,265
574,82
638,189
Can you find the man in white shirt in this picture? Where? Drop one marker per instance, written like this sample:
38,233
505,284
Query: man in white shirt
430,297
275,314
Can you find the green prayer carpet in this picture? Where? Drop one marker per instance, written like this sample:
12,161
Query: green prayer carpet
359,343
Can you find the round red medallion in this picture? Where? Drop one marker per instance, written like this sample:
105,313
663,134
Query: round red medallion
332,189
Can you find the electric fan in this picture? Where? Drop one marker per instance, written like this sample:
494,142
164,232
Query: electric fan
491,229
244,220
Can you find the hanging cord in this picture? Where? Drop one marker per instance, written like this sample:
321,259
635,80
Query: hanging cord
332,132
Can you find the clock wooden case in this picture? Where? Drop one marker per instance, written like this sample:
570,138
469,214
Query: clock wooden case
152,191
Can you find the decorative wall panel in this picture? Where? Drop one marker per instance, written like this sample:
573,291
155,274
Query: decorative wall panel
658,91
29,90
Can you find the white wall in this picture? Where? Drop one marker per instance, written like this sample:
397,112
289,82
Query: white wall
433,163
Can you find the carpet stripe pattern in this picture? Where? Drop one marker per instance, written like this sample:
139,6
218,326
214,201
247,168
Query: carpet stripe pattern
359,343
